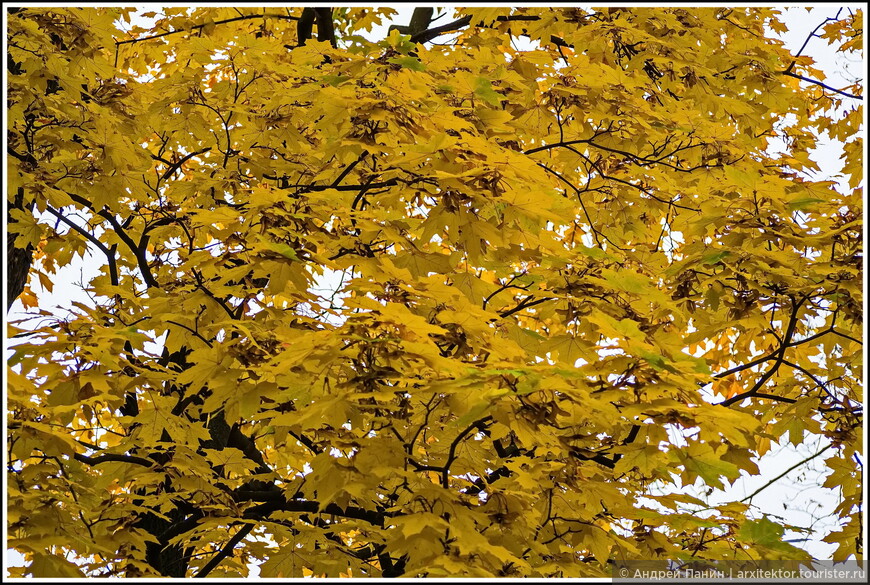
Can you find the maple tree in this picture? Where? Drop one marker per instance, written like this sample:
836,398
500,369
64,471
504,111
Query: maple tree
473,299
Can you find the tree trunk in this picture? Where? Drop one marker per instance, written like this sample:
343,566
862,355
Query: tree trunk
18,260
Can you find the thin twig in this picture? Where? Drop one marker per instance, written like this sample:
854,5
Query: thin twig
199,26
784,473
826,86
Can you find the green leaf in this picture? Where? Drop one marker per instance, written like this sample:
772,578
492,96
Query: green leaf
408,63
763,532
658,362
802,203
627,281
483,89
336,80
285,250
714,257
700,460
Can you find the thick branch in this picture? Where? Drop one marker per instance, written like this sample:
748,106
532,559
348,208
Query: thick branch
174,167
325,26
110,256
110,457
138,252
225,551
451,455
420,20
304,26
347,170
18,259
308,443
597,458
780,357
427,35
524,304
275,501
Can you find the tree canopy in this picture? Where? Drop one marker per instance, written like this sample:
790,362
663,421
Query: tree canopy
474,299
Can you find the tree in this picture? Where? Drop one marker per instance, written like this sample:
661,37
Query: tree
423,308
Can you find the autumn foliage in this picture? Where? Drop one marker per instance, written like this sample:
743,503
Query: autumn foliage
474,299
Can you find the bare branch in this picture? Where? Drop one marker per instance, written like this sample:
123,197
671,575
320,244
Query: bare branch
824,85
780,357
784,473
225,551
110,256
199,26
111,457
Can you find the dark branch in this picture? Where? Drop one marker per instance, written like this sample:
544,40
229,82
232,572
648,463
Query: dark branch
109,457
420,20
824,85
225,551
347,170
25,158
304,26
325,26
790,69
849,337
195,333
524,304
774,353
110,256
174,167
201,286
428,35
780,357
199,26
308,443
138,252
774,397
275,501
597,458
810,36
479,424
